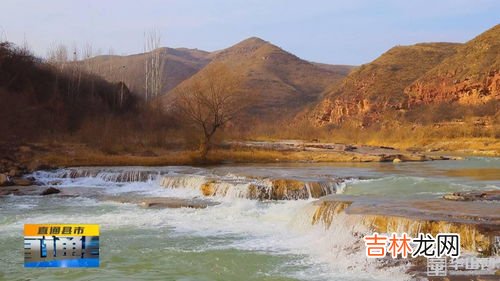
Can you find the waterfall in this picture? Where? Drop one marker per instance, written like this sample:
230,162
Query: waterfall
473,237
109,175
203,183
250,188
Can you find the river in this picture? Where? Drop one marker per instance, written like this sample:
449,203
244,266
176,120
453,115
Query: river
240,238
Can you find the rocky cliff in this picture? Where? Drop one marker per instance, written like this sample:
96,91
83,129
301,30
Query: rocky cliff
470,77
372,89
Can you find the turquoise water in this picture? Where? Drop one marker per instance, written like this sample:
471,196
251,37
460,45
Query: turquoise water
239,239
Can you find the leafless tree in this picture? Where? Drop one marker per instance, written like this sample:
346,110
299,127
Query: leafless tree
3,35
57,55
25,47
87,55
210,102
153,65
75,53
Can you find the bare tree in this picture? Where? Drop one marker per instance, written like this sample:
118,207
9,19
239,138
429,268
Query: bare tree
75,53
25,47
153,65
87,54
210,102
3,35
57,55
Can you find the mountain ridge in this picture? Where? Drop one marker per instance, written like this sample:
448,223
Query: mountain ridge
281,82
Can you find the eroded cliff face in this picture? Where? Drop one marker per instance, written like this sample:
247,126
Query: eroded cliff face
468,91
373,89
359,111
469,77
356,102
338,111
406,77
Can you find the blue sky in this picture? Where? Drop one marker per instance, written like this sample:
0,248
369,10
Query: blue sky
337,32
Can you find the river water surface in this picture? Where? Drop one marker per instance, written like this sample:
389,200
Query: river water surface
238,239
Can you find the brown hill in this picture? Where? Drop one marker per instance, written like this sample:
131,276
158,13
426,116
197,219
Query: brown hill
470,77
280,83
177,65
371,89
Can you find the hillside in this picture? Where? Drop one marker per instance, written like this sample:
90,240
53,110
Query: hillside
40,100
471,76
338,68
177,65
369,90
280,83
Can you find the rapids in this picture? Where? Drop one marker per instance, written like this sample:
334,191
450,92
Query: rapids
262,228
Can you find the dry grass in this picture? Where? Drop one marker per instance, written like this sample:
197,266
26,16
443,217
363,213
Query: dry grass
66,155
101,159
269,156
466,137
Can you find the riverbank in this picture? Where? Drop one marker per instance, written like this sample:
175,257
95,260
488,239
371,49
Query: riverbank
19,159
32,155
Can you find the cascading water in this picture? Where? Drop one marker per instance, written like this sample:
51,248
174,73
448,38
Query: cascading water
258,230
108,175
206,184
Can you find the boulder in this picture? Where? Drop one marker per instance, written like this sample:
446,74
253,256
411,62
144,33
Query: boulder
208,188
50,190
397,160
14,172
37,165
4,180
21,181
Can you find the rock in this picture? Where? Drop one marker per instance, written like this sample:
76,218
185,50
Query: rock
349,147
14,172
208,189
274,189
453,197
491,195
36,165
5,191
397,160
414,157
164,202
387,147
21,181
475,222
464,91
4,180
50,190
174,203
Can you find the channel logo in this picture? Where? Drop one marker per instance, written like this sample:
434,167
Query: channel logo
61,245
